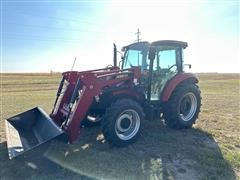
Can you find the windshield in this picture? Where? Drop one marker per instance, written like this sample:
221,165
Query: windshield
136,55
168,58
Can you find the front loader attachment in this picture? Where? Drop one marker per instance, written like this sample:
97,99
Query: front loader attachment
30,129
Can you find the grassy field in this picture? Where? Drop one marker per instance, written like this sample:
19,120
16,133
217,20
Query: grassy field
211,150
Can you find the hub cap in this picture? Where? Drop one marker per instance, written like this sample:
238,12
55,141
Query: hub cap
188,106
127,124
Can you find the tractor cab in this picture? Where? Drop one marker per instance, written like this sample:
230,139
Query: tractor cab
159,61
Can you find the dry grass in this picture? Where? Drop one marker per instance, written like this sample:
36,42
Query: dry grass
211,150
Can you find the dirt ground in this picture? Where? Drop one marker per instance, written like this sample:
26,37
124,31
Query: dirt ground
210,150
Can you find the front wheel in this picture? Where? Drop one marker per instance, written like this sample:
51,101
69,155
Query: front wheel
183,107
121,123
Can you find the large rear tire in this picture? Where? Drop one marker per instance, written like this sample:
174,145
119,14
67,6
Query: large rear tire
121,123
183,107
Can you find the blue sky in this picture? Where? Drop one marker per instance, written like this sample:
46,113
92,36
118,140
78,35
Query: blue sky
40,36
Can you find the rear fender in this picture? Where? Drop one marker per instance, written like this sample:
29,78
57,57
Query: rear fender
175,81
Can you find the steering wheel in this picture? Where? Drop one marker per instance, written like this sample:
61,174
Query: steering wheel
172,66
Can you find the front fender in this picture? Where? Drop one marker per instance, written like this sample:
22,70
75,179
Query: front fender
175,81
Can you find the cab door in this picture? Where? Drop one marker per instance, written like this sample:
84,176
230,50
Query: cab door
165,66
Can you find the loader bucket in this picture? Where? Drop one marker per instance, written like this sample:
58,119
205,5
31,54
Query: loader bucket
29,130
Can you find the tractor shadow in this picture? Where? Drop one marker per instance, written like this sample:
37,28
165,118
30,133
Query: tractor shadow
159,153
31,166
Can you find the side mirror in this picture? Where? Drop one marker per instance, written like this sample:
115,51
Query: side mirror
152,53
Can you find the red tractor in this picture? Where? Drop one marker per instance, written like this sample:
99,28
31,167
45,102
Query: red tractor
148,83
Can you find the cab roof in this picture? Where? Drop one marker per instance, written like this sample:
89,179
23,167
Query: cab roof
160,42
170,43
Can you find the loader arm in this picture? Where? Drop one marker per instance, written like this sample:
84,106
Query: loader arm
69,115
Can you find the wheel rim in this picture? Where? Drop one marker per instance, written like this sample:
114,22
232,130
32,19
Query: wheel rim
127,124
188,106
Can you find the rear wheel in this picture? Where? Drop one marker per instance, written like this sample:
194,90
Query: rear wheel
121,123
183,107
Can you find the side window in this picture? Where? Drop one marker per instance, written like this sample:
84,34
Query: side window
133,58
168,59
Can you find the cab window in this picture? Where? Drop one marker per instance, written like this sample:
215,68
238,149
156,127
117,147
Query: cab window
167,59
136,55
133,58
